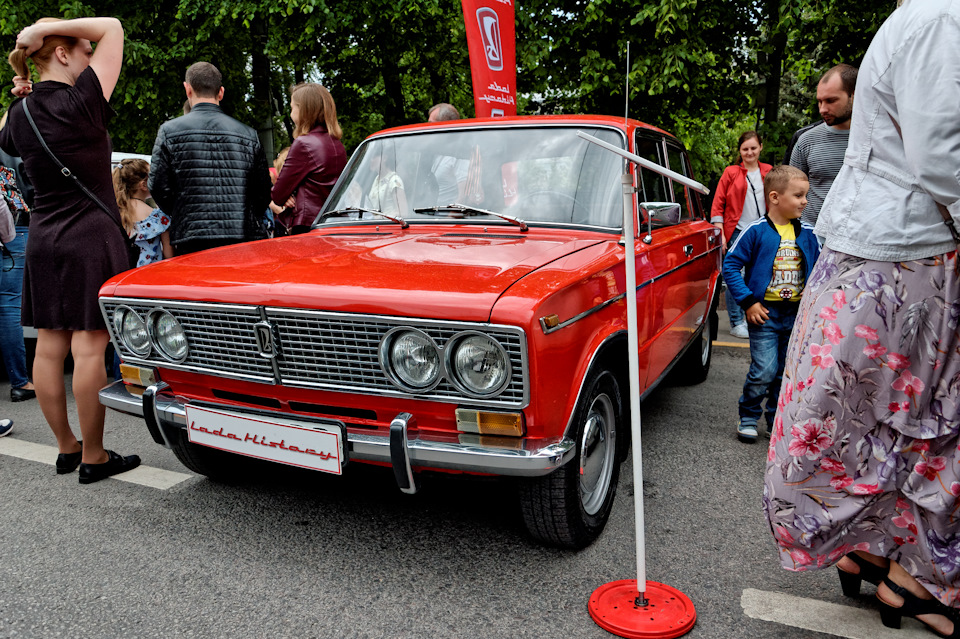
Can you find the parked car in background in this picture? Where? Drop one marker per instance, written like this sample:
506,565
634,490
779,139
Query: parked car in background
459,306
116,157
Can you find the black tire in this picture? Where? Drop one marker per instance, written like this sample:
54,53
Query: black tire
215,464
569,508
694,366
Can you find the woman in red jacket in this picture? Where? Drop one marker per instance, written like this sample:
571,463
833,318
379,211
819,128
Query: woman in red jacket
315,160
737,203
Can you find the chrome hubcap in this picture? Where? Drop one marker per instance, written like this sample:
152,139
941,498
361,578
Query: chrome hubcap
597,451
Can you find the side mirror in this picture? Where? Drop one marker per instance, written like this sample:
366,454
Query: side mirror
667,213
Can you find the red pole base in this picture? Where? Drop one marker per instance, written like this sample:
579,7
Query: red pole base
667,612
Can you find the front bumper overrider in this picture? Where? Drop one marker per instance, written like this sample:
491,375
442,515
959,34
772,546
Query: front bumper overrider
165,414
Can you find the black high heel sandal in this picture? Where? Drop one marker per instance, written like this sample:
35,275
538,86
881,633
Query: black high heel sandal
850,582
914,606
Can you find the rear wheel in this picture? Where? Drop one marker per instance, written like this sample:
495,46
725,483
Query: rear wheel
694,366
570,507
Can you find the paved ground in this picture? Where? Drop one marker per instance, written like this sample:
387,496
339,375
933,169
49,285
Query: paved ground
165,553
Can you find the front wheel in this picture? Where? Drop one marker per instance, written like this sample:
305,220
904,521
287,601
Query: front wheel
570,507
216,464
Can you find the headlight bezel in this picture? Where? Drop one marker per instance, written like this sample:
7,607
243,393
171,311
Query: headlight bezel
156,338
385,352
119,319
453,373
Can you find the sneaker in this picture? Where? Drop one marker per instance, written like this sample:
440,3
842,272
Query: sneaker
746,433
740,330
6,425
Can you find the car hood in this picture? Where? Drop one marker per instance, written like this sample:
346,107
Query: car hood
437,274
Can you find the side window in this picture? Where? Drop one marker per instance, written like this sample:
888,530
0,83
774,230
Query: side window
652,186
681,194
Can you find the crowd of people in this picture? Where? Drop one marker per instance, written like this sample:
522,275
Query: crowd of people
96,224
841,266
848,288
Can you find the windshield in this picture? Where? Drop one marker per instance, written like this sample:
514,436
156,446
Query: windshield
534,174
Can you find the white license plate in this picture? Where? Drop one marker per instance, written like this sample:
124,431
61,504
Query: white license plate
287,441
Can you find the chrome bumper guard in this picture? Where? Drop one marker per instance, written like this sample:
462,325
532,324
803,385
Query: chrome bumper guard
163,414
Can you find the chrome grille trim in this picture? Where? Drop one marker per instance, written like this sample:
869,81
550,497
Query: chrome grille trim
319,349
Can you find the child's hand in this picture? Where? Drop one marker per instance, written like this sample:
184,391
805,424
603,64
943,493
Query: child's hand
757,314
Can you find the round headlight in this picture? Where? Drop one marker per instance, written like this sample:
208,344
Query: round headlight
411,359
479,364
168,335
132,331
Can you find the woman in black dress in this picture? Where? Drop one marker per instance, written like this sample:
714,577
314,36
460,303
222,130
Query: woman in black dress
74,246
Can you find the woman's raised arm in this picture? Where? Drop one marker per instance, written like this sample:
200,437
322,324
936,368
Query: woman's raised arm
107,58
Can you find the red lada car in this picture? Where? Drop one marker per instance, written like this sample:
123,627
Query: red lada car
458,306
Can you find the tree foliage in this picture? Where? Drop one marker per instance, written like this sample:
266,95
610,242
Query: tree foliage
702,69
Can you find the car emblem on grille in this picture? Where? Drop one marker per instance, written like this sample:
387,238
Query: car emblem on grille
267,340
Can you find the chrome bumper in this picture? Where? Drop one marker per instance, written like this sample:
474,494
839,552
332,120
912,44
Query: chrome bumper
169,414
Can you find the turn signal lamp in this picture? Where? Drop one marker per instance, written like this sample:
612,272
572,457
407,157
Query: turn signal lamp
489,423
138,375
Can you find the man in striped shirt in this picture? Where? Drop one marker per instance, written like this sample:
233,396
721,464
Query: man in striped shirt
819,150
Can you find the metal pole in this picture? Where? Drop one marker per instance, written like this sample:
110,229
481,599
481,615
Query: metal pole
630,262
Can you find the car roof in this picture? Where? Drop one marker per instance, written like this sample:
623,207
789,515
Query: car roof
526,120
117,156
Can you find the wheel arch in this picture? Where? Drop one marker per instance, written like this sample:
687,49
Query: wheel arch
610,355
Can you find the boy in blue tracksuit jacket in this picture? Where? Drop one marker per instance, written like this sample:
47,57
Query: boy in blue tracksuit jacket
777,253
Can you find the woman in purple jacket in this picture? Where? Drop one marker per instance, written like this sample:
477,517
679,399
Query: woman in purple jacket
315,160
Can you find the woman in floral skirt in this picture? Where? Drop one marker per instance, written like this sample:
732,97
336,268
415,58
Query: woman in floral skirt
863,468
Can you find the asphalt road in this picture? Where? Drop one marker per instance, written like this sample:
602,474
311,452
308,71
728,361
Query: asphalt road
311,555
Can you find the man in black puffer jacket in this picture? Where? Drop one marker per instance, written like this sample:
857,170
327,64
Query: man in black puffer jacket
209,172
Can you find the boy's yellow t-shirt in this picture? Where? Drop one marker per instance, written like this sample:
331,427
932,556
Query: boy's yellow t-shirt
786,284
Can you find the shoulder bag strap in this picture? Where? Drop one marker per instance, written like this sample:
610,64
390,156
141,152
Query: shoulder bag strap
944,213
67,172
753,190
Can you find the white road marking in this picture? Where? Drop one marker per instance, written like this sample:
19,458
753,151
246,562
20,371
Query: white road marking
828,618
143,475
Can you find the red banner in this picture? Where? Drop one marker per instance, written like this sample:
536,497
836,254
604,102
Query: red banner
493,62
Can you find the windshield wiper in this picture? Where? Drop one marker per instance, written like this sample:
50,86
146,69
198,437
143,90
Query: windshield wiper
359,209
470,210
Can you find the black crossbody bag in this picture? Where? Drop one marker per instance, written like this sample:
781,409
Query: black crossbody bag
133,251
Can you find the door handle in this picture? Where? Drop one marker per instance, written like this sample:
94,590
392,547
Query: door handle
688,250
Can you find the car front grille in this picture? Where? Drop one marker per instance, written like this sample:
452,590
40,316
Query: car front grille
333,351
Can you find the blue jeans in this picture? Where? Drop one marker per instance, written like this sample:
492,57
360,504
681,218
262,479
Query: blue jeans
11,331
768,350
733,309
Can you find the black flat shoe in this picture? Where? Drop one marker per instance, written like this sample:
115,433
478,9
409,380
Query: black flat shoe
850,582
68,462
90,473
914,606
22,394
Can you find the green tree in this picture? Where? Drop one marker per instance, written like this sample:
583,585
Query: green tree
704,70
